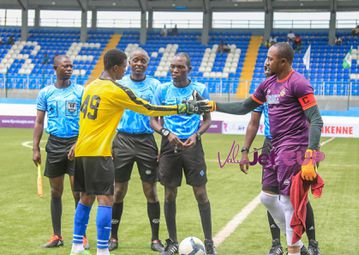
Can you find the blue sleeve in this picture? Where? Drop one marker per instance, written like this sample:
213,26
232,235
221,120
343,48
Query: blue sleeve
156,100
259,108
82,90
205,94
41,103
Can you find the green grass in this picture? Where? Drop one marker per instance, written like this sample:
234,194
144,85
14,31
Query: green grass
25,218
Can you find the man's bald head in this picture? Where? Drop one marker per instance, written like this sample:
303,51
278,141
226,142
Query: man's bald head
137,52
59,59
284,50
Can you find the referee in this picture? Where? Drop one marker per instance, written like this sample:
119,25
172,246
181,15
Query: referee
182,151
134,142
61,101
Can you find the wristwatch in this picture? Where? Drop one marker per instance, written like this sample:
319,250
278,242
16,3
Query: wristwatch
165,132
245,149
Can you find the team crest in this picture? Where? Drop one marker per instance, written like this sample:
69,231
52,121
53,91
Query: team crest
71,106
282,93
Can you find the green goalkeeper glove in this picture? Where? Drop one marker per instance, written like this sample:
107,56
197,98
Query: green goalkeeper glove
194,106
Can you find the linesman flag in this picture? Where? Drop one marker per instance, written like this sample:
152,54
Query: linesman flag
347,62
306,58
40,192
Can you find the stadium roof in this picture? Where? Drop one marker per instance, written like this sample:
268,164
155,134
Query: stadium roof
184,5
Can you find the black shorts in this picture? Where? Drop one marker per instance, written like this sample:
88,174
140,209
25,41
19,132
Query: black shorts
128,149
57,163
190,160
94,175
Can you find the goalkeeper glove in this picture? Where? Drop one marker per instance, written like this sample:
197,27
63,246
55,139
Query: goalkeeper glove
197,105
211,104
309,167
193,107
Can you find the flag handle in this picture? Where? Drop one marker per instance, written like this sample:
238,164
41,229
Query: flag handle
40,192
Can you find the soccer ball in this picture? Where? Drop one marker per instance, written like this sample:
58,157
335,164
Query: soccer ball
191,246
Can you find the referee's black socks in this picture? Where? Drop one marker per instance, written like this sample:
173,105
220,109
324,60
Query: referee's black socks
117,210
153,211
56,212
205,212
170,215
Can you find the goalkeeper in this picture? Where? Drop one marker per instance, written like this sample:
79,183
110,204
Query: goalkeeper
295,126
269,179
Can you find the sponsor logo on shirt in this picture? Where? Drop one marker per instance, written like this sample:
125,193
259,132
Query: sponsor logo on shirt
273,99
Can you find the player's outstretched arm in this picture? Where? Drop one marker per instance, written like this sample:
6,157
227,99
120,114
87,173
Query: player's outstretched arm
130,101
238,108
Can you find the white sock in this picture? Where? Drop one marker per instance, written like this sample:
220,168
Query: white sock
288,212
297,253
103,251
77,247
271,202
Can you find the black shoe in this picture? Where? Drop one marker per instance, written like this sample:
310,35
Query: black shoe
313,248
210,249
55,241
112,244
156,245
303,250
276,248
171,247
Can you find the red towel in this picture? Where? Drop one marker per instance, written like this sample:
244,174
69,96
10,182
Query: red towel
299,198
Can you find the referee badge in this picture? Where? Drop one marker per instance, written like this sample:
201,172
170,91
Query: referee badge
71,106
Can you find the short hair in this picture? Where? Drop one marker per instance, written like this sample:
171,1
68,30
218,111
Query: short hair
139,49
114,57
185,55
59,58
285,51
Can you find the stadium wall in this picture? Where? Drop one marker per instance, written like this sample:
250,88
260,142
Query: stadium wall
20,113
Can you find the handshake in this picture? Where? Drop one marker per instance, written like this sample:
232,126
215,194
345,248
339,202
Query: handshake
197,105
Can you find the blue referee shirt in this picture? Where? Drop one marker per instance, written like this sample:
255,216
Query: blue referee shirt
264,109
63,109
133,122
183,125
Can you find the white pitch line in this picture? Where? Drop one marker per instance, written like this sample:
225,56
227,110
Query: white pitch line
240,217
28,144
237,220
327,141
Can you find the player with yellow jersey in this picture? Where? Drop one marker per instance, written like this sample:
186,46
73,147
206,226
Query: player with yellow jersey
103,103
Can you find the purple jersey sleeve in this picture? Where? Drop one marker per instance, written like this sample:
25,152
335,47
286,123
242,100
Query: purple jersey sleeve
259,94
302,87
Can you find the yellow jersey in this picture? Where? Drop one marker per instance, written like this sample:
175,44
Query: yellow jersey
102,106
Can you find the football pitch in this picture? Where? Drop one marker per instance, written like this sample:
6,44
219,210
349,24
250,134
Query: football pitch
25,218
